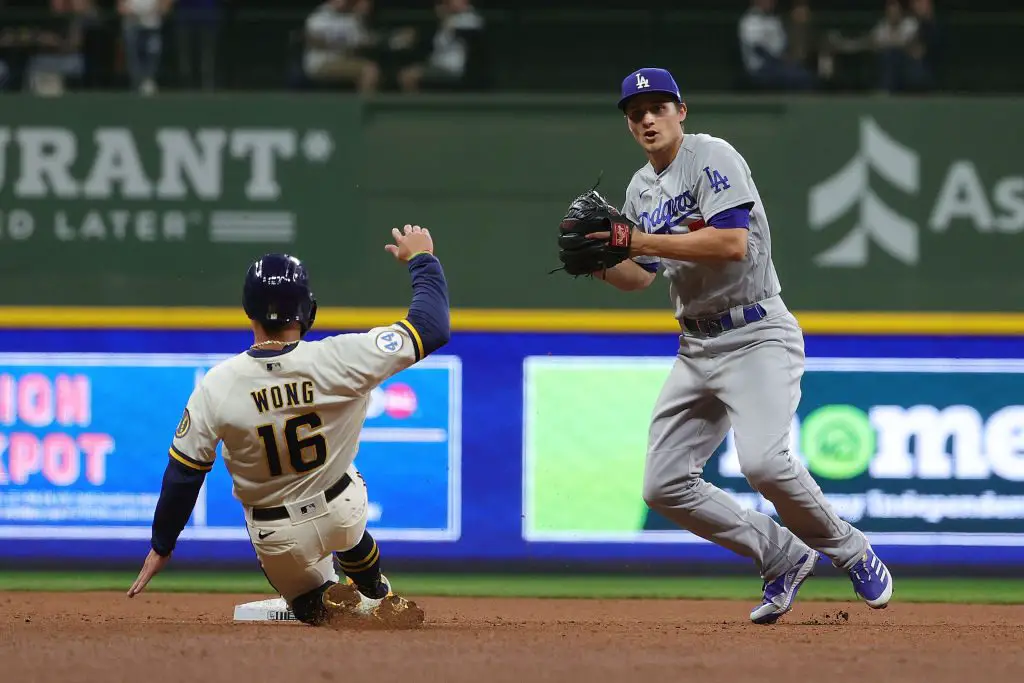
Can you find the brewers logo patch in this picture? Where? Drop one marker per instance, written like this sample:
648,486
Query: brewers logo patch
183,426
389,341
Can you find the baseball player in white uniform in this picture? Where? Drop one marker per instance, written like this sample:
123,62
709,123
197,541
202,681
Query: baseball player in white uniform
289,413
740,360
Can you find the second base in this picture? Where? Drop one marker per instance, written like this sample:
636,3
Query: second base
274,609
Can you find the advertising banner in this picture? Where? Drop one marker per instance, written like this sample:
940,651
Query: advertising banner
84,439
488,456
117,200
912,451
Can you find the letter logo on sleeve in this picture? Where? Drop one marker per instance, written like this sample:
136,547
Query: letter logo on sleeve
718,181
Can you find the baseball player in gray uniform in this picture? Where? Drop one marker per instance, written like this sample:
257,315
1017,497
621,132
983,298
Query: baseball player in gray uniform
289,413
698,215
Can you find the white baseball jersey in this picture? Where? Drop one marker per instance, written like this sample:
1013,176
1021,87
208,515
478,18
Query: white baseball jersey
290,420
707,176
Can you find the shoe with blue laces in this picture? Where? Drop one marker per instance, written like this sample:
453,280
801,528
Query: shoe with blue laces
872,581
780,592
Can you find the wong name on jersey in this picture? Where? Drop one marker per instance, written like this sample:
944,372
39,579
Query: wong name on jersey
286,395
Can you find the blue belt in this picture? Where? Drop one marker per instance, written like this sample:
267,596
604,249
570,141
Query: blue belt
714,326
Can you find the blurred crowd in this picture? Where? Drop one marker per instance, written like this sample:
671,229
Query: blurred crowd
792,51
76,44
71,43
338,44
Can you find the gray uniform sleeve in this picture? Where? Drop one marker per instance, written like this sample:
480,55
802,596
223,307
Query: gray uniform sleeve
722,180
195,440
357,363
648,263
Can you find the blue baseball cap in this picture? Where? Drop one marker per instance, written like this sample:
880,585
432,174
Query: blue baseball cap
646,80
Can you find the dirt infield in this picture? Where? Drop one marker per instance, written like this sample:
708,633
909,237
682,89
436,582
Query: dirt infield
160,638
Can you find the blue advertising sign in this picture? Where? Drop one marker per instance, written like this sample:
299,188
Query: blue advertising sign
84,437
515,475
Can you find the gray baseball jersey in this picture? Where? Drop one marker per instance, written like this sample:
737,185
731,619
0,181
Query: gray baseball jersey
290,422
747,379
708,176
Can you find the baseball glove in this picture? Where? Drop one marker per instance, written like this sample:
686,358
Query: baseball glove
582,255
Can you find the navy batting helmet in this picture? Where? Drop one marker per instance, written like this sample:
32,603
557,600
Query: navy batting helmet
277,293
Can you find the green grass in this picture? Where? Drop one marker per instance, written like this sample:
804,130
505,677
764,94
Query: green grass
987,591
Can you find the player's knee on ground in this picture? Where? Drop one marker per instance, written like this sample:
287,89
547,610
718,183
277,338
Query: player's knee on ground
309,607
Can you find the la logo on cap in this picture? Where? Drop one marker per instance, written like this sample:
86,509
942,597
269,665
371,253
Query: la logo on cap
642,82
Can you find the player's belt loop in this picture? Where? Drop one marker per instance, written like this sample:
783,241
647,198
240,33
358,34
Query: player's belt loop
737,316
281,512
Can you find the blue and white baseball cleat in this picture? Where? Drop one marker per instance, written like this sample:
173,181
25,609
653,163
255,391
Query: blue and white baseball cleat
779,593
872,581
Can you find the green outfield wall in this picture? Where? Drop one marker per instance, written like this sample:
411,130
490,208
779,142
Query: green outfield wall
874,204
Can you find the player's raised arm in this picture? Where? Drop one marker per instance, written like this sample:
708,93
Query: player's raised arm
191,455
429,319
360,362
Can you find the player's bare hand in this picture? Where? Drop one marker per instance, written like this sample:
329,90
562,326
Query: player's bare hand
412,241
153,565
